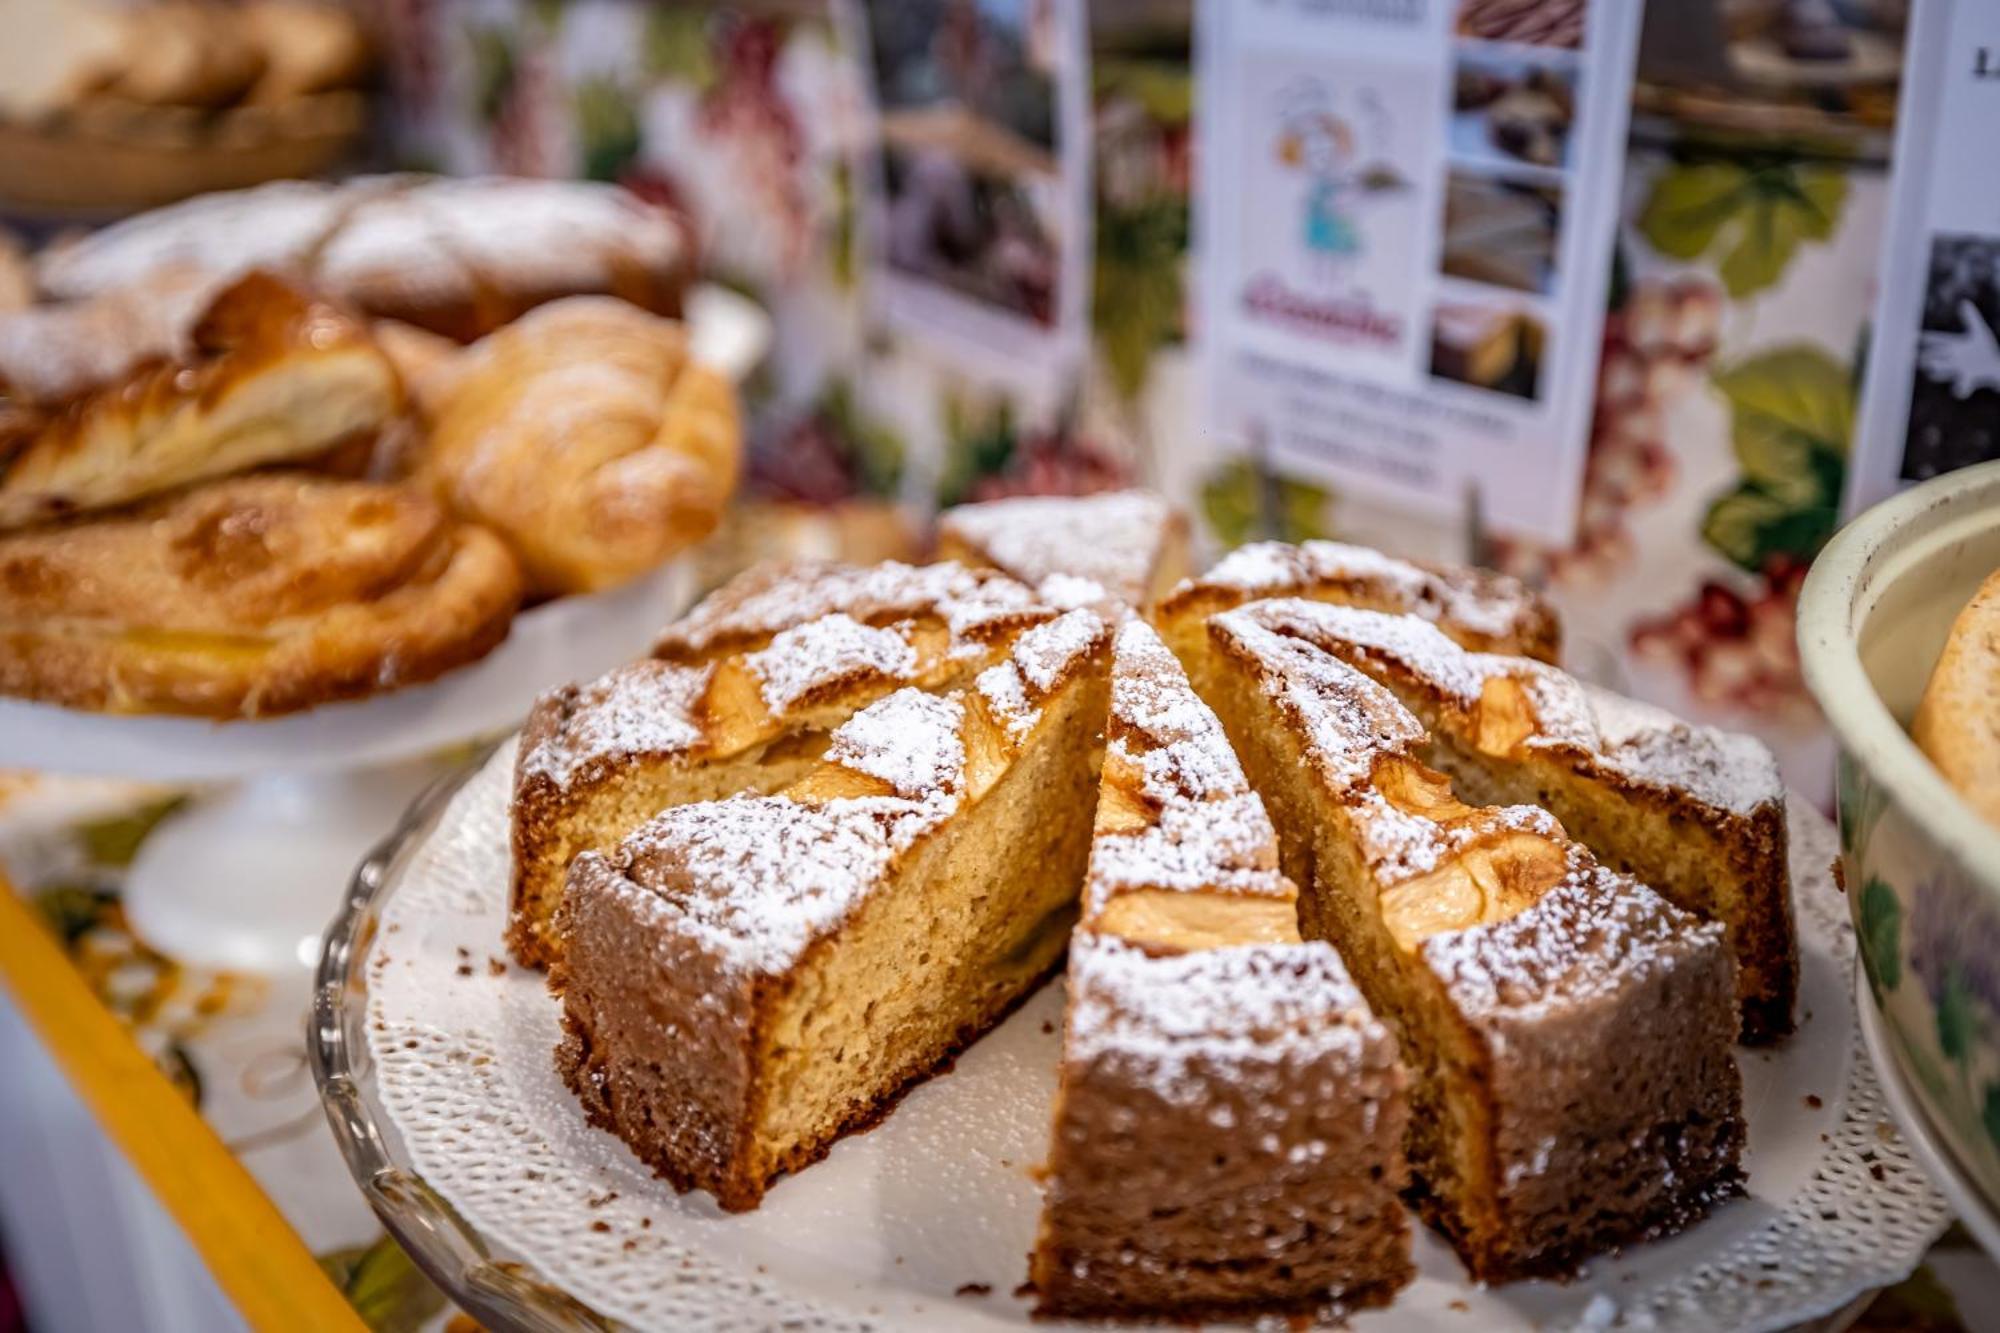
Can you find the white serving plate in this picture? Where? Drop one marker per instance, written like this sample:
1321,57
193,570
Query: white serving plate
437,1074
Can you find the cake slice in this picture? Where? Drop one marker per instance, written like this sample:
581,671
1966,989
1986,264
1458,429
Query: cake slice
743,981
1228,1131
1482,610
741,698
1696,813
1567,1029
1126,547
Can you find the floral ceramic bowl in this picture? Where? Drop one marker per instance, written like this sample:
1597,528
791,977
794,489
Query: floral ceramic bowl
1922,870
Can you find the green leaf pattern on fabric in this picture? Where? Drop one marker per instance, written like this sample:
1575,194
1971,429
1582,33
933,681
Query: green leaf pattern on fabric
1749,213
1791,423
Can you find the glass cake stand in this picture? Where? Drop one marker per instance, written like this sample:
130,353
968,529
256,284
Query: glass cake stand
433,1057
242,877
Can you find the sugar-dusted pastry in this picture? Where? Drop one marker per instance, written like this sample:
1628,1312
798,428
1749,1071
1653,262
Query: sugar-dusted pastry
249,596
1568,1030
1229,1127
741,698
1696,813
585,437
459,257
51,354
1482,610
744,981
1128,547
1958,718
271,375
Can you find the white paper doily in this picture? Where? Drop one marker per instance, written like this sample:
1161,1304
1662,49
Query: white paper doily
926,1221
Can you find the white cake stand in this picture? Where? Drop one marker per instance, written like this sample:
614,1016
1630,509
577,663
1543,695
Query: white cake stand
245,878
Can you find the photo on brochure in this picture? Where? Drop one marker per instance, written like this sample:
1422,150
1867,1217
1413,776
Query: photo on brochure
976,224
1511,111
1955,385
1501,231
1557,23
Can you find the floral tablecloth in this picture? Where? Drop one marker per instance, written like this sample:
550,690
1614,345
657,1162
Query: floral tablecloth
235,1047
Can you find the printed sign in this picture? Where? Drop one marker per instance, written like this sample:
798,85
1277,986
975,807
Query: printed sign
1405,217
1931,401
979,190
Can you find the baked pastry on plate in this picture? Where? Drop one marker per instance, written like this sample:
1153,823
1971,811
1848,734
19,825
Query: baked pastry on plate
1127,547
741,697
457,257
273,376
744,981
1482,610
1229,1128
1696,813
1568,1031
584,436
1958,718
251,596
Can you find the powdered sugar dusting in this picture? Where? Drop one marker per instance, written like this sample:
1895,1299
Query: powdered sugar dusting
1593,935
1047,653
1594,729
1492,605
1042,658
1348,720
824,652
1210,833
1183,1023
643,708
910,740
1112,540
756,879
768,599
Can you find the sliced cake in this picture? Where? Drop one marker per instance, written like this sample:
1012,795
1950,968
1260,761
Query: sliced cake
1696,813
1126,547
1228,1131
1482,610
743,981
752,681
1568,1031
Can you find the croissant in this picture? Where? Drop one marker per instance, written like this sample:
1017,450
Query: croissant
587,439
271,375
249,596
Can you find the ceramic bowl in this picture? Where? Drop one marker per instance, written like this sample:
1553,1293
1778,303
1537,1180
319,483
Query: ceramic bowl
1922,870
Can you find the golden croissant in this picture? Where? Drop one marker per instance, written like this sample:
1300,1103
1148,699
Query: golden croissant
584,436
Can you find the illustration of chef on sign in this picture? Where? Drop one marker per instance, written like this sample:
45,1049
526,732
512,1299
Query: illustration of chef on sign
1343,161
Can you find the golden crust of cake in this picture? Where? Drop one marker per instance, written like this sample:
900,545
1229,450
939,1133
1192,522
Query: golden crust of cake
763,668
272,376
1224,1086
1568,1028
1697,814
247,597
460,257
1119,547
1958,719
585,438
1484,611
806,956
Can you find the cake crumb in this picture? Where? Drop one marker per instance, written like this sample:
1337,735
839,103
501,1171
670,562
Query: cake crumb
1026,1289
1813,1102
464,969
1461,1307
599,1200
1047,1027
600,1225
495,967
974,1289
